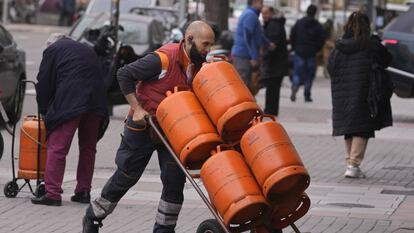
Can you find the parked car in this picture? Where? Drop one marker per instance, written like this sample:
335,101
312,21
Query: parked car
168,16
398,37
12,70
97,6
141,33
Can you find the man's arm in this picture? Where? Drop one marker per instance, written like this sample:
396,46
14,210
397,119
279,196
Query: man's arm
322,36
248,32
45,86
292,37
144,69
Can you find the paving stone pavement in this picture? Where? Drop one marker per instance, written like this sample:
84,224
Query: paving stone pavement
383,202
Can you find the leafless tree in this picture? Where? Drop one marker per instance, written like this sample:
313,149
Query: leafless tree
218,12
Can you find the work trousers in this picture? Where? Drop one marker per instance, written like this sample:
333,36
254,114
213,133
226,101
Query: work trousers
132,157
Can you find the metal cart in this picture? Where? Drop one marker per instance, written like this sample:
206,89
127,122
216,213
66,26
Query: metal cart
11,189
210,225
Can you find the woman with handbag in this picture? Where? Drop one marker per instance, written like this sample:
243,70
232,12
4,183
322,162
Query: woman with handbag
351,68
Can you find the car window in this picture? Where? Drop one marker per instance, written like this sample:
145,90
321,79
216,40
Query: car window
402,52
124,5
5,38
80,27
134,32
403,23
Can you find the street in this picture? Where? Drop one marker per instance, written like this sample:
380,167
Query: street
383,202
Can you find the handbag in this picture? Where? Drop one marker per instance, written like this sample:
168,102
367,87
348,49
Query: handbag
380,89
255,82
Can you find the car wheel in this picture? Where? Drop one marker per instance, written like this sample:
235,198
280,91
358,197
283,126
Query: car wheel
14,108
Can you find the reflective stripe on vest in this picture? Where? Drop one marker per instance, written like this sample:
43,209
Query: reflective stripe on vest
164,63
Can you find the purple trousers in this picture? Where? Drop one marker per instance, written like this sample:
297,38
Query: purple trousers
58,145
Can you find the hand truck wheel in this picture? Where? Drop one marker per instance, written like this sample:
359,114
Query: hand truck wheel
11,189
40,190
210,226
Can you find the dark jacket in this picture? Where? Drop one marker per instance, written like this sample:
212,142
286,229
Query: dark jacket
307,37
70,82
275,63
349,66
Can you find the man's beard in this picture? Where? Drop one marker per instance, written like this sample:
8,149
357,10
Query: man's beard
196,57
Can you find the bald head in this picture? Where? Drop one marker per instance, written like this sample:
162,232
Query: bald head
199,28
199,37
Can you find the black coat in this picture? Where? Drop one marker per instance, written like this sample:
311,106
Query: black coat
275,63
307,37
349,66
70,82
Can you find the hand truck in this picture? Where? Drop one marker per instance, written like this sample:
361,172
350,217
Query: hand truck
210,225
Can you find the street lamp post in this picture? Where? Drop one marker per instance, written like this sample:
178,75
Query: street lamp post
183,10
5,10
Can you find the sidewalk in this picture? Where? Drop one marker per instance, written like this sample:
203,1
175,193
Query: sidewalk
383,202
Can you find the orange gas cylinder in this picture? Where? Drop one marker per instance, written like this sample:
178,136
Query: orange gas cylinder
289,210
187,128
232,188
226,99
29,141
273,159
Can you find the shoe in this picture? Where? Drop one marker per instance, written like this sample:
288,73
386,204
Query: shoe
43,200
82,197
308,99
90,226
293,95
353,172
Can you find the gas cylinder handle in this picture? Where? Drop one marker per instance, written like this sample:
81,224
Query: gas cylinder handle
181,87
178,88
220,148
221,57
268,116
258,119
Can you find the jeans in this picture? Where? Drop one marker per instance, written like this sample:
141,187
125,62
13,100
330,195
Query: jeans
244,69
304,70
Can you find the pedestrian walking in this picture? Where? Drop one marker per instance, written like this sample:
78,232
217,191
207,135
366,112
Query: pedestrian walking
275,62
248,39
306,37
351,68
171,65
67,10
71,96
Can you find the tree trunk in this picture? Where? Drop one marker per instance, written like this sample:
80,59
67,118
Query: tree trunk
217,11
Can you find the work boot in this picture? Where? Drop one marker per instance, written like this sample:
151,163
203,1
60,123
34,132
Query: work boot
293,95
90,226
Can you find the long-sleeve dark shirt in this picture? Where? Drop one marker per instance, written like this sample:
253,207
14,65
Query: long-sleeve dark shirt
144,69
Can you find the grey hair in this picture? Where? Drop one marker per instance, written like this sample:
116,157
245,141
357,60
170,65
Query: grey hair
54,37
